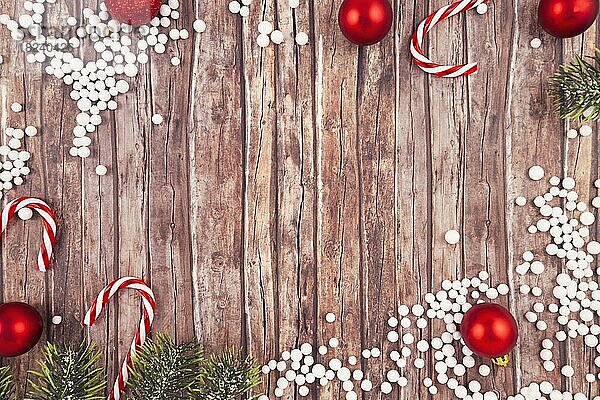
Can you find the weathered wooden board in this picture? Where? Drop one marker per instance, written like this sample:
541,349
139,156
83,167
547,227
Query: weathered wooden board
288,182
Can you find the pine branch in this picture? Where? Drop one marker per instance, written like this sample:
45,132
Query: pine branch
68,372
6,384
575,89
163,370
227,377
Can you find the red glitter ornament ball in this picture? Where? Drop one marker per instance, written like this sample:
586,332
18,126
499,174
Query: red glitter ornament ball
489,330
365,22
567,18
133,12
21,327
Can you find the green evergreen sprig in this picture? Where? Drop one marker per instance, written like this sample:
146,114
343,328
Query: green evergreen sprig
6,384
227,377
163,370
68,372
575,89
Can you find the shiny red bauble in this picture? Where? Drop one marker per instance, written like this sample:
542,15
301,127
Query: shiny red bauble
489,330
21,327
567,18
365,22
133,12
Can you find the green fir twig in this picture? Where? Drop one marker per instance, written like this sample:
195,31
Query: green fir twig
163,370
228,377
6,384
575,89
68,372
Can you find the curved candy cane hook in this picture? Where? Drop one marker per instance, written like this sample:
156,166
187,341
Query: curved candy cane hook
447,71
149,305
48,220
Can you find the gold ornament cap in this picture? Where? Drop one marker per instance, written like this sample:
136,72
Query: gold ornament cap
502,361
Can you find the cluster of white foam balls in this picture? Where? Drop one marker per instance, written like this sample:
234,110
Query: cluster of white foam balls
15,157
267,33
322,365
576,306
315,366
568,222
120,48
567,219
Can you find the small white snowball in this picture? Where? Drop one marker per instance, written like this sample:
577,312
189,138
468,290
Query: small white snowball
25,213
452,237
536,173
536,43
263,40
265,27
567,371
16,107
101,170
157,119
386,388
393,336
57,320
482,9
585,130
375,352
521,201
301,38
330,317
31,131
234,7
568,183
277,36
587,218
199,26
366,385
528,256
306,348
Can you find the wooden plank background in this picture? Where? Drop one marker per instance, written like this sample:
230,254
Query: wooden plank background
293,181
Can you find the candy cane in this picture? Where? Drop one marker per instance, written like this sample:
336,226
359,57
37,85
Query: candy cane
145,323
448,71
48,220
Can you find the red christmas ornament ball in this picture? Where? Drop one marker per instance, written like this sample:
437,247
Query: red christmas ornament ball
567,18
489,330
133,12
365,22
21,327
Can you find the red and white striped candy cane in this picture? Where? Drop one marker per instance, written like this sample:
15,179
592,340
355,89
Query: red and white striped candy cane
416,44
48,220
149,305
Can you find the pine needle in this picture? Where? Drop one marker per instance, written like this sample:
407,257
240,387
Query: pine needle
575,89
68,372
163,370
6,384
227,377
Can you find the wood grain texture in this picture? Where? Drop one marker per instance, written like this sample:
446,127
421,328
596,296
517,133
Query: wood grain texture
288,182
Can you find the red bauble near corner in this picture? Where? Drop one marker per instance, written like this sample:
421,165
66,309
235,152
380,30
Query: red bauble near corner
133,12
365,22
567,18
21,328
490,331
